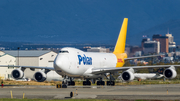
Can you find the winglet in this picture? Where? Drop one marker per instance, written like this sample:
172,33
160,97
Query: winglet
120,44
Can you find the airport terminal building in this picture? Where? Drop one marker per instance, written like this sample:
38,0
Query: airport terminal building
6,59
40,58
43,58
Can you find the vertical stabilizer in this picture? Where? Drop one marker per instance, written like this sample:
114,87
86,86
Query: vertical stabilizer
120,44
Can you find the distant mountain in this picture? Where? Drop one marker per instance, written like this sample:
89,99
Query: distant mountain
85,21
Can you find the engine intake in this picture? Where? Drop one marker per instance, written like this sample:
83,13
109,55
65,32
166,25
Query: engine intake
17,74
40,76
170,73
127,76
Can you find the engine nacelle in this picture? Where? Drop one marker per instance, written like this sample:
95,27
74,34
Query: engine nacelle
127,76
170,73
40,76
17,74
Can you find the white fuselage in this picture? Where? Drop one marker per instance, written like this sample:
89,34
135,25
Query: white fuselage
76,63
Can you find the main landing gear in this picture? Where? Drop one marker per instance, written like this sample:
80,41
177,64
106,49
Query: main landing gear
71,82
111,80
110,83
87,82
100,82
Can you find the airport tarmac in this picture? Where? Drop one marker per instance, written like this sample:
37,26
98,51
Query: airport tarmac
131,92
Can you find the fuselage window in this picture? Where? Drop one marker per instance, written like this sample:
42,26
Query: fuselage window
63,51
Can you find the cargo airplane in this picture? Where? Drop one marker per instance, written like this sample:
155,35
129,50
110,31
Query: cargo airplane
74,63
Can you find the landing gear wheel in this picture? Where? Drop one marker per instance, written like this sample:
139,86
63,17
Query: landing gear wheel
71,83
110,83
86,83
64,86
100,83
89,83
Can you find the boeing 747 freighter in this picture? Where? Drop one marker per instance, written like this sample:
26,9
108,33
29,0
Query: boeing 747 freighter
74,63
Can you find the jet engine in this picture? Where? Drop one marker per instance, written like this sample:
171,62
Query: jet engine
128,75
40,76
17,74
170,73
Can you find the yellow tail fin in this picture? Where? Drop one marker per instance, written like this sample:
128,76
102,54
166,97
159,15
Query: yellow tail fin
120,44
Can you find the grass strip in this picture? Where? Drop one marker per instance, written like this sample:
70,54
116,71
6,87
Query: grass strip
8,99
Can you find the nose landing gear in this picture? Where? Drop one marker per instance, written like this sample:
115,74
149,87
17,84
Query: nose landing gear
66,83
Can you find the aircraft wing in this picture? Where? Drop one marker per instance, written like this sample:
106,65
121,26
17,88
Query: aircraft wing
149,56
113,69
31,67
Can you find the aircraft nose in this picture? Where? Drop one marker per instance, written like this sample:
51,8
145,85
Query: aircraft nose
58,63
61,62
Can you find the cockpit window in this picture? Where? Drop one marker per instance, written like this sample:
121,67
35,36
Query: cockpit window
63,51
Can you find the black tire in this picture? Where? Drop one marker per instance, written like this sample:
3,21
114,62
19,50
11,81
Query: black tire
64,86
102,83
84,83
98,83
69,83
88,83
108,83
112,83
73,83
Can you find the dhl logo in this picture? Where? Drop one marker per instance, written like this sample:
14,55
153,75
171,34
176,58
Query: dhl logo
120,60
